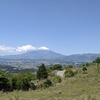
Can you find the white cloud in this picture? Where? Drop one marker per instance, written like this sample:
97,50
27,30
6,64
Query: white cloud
6,50
25,48
43,48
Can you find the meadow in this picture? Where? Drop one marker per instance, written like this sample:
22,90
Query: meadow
79,87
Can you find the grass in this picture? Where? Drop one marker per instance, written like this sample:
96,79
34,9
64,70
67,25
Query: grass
80,87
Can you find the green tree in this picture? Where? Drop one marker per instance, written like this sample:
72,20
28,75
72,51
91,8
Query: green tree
42,72
97,60
22,81
56,67
25,83
14,80
4,83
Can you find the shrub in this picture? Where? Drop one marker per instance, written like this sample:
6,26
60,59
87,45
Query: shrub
47,83
70,66
87,64
32,86
69,72
84,70
56,79
56,67
4,83
21,81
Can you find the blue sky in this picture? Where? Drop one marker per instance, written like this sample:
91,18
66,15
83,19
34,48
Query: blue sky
65,26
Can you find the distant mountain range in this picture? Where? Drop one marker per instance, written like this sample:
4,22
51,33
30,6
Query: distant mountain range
36,54
82,57
50,55
35,58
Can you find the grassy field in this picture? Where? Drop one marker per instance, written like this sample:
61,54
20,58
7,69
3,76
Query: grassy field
80,87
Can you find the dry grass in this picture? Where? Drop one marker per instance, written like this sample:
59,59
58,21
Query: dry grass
80,87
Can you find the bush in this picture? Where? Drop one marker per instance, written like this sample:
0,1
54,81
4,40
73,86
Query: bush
56,67
4,83
22,81
70,66
25,83
56,79
84,70
47,83
32,86
69,72
87,64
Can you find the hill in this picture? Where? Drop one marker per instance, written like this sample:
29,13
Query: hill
79,87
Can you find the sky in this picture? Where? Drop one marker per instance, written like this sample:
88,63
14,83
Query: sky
64,26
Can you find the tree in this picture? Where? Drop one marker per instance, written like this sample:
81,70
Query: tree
14,80
42,72
97,60
56,67
4,83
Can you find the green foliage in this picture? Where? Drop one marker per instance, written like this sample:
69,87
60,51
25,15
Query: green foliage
80,87
87,64
14,82
32,86
22,81
97,60
70,66
25,83
56,79
4,83
42,72
49,71
69,72
56,67
47,83
98,68
84,70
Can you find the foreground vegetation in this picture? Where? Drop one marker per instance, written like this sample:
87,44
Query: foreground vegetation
81,83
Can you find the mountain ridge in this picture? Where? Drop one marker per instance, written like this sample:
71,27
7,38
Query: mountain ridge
51,55
36,54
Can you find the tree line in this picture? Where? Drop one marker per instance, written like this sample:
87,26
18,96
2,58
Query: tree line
22,81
